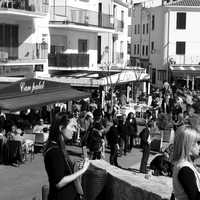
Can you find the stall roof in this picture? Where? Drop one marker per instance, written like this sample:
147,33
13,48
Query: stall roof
104,78
33,92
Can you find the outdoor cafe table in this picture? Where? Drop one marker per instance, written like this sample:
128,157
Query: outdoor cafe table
126,185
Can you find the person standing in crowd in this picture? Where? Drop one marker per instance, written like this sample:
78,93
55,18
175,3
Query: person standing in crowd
186,178
63,181
145,144
113,138
95,139
123,134
131,128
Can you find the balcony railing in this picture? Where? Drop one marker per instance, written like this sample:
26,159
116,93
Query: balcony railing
68,60
184,59
66,14
40,6
24,52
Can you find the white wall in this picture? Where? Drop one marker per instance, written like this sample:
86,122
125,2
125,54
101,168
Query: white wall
31,31
122,36
71,42
191,35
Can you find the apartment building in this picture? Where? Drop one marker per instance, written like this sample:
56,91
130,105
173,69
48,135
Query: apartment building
120,36
24,38
173,41
74,28
88,34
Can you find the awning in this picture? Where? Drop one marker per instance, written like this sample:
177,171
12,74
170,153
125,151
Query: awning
28,93
184,70
95,80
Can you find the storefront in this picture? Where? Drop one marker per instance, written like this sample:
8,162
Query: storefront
29,93
186,76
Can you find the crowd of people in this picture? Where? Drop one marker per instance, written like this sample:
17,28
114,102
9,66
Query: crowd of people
92,127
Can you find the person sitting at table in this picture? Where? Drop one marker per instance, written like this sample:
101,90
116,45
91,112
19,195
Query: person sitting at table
11,133
38,128
17,136
3,135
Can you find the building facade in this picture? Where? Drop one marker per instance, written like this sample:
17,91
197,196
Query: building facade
24,38
173,41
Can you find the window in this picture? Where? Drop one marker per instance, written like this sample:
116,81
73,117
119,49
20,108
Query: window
138,49
152,47
82,46
56,49
135,29
161,75
135,49
143,49
129,48
9,39
180,48
153,76
143,28
147,28
147,50
181,20
153,22
138,29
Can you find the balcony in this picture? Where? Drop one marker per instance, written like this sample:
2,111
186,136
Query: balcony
29,8
71,15
68,60
184,59
23,53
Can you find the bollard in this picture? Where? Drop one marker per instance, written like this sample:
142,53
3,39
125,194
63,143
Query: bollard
45,192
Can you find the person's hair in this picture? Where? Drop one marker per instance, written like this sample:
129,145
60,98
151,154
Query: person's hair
61,119
185,138
129,115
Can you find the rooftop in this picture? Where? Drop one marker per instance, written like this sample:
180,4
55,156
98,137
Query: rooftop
185,3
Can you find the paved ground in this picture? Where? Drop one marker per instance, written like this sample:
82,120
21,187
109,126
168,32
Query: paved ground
25,182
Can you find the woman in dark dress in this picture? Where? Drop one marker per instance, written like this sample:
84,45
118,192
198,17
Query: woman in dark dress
131,125
63,181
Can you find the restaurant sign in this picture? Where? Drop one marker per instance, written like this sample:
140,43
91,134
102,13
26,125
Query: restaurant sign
32,86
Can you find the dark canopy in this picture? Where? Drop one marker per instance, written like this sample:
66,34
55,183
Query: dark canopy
33,92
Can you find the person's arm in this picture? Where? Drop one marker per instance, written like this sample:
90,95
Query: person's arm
188,181
56,169
68,179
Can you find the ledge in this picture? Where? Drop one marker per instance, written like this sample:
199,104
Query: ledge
108,182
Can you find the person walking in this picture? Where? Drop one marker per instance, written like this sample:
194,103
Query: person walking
131,128
145,144
63,181
113,138
123,134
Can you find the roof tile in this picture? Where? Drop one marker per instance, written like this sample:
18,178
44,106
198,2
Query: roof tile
186,3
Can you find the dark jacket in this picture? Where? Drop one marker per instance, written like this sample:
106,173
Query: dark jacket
144,134
123,130
113,135
131,127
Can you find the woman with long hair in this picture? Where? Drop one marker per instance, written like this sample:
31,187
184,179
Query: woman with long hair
63,181
186,178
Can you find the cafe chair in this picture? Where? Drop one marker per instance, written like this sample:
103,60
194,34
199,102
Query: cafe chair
40,141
